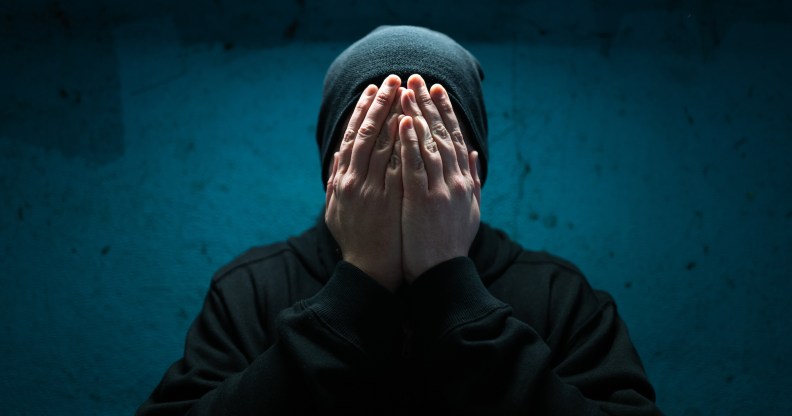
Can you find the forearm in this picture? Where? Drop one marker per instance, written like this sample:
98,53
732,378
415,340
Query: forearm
328,354
481,360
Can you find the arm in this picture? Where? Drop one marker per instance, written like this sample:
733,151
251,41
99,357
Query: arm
333,348
330,351
481,360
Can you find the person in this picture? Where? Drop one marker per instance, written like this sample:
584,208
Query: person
399,298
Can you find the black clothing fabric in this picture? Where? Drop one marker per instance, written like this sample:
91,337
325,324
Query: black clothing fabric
290,328
402,50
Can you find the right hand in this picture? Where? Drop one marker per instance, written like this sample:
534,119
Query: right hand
442,189
364,192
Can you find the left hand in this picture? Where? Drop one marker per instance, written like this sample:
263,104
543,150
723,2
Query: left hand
364,191
442,190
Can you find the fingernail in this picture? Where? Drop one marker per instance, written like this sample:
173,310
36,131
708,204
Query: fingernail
393,80
370,90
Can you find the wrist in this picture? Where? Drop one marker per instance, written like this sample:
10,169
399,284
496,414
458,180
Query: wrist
417,269
390,277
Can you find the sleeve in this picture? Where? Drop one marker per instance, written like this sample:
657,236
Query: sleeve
481,360
329,351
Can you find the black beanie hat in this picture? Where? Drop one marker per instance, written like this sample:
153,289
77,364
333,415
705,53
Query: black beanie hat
402,50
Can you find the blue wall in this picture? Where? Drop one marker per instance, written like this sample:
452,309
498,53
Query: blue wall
143,147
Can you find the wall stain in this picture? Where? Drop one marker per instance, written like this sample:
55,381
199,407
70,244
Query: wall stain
291,31
606,41
81,115
739,143
550,221
61,16
105,250
689,117
182,314
691,265
730,282
205,252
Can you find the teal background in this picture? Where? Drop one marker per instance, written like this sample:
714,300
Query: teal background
143,145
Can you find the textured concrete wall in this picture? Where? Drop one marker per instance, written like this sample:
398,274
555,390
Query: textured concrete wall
143,147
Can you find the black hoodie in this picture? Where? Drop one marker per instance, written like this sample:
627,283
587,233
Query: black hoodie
290,328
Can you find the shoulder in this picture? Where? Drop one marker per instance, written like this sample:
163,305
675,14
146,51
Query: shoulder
254,258
545,260
549,292
541,270
261,282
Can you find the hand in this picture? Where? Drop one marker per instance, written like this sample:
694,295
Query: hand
442,192
364,191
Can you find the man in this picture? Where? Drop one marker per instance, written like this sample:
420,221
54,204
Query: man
399,299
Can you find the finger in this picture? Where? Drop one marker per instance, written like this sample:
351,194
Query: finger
371,125
385,137
428,144
427,107
432,146
409,105
475,176
381,154
446,109
433,160
361,108
396,108
413,171
436,123
393,174
330,188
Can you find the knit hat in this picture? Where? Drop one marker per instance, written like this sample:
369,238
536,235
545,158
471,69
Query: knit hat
402,50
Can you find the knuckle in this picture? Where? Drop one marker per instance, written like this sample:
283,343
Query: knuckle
362,105
425,98
430,145
382,98
367,130
349,134
458,185
347,185
457,136
439,130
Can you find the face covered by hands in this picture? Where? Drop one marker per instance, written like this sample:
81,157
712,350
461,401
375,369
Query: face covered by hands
404,192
